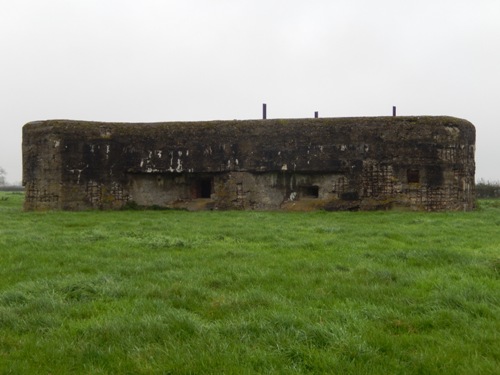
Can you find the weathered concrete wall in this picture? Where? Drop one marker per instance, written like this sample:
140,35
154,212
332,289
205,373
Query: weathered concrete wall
422,163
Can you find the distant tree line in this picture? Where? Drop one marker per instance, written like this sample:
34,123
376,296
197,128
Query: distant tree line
11,188
2,176
487,189
3,183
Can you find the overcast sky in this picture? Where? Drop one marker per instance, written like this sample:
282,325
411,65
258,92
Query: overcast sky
170,60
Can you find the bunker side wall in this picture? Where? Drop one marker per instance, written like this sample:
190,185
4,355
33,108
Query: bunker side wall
42,168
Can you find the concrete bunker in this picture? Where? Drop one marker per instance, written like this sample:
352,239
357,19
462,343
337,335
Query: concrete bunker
419,163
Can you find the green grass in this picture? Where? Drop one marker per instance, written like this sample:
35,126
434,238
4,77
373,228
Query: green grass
171,292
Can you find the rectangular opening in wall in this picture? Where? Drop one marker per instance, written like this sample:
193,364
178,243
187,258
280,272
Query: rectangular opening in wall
309,191
413,176
202,188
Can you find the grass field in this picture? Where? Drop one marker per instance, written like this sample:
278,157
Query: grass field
171,292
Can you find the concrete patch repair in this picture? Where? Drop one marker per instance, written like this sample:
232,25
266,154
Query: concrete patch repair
418,163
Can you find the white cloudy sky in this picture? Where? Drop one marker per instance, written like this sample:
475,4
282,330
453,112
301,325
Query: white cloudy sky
168,60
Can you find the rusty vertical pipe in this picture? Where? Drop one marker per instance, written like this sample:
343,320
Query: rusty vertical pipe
394,111
264,111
